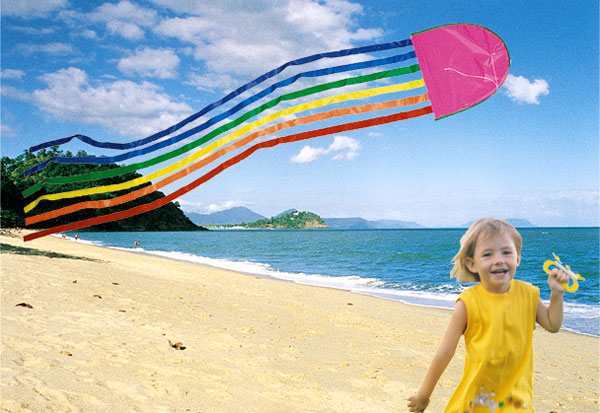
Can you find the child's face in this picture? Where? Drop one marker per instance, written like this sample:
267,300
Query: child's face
495,260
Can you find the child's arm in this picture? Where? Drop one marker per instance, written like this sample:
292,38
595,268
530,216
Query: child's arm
419,401
551,317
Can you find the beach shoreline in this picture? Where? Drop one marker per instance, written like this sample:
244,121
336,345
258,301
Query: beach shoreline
96,339
580,318
412,301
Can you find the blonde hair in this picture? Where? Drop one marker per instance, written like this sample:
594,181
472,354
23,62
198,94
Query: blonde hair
486,227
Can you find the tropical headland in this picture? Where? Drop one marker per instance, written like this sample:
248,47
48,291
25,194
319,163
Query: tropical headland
17,191
93,329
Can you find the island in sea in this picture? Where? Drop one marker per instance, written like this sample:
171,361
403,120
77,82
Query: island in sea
287,220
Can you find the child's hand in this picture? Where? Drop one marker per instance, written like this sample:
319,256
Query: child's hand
556,278
416,403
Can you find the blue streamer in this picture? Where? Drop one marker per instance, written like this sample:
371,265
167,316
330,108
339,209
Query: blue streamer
214,120
260,79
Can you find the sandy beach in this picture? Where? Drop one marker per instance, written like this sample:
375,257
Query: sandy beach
93,335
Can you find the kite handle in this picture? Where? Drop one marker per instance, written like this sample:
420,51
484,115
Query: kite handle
558,264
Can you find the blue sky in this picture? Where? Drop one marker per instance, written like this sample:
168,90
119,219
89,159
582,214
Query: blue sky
121,70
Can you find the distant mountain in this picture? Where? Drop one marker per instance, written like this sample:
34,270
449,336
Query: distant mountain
515,222
289,211
520,223
390,223
231,216
361,223
346,223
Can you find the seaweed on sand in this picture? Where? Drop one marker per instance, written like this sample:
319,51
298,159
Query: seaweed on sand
13,249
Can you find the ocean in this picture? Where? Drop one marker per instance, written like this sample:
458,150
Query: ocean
409,265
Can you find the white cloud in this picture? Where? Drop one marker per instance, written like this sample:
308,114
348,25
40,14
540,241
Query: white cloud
36,31
125,11
52,48
346,147
203,208
31,8
329,21
90,34
129,108
190,206
14,93
222,206
125,19
128,30
189,29
161,63
521,90
341,143
345,155
211,81
308,154
6,131
253,37
12,74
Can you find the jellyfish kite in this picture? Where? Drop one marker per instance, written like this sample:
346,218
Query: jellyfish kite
459,65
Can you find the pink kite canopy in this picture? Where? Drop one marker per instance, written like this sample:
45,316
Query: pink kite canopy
462,65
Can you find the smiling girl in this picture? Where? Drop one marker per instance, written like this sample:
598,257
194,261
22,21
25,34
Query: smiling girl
497,316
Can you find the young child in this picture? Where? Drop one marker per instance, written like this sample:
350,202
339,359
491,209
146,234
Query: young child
497,317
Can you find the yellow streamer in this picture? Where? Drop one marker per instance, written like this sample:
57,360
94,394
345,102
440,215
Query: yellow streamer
228,138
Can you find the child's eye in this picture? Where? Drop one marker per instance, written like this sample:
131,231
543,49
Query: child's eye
508,252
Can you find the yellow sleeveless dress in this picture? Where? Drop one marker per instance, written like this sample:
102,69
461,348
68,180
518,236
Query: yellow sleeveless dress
497,377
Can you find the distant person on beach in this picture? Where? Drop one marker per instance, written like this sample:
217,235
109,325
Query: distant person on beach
136,243
497,317
76,237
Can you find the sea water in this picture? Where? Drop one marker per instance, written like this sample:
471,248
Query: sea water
409,265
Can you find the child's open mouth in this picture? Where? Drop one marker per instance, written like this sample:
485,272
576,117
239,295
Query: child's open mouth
499,272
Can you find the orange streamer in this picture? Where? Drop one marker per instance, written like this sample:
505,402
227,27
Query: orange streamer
105,203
